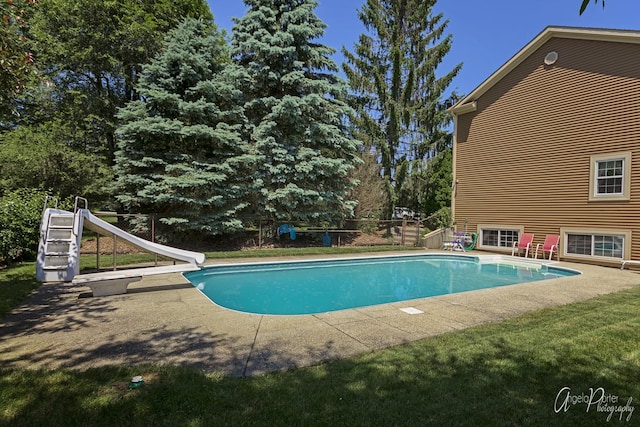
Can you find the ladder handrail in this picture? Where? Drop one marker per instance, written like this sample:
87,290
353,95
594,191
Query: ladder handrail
75,206
44,209
76,214
46,202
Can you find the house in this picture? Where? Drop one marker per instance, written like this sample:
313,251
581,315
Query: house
550,144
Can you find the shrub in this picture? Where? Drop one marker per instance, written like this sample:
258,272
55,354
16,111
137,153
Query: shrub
440,219
20,216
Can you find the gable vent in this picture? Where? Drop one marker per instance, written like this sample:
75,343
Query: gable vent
551,58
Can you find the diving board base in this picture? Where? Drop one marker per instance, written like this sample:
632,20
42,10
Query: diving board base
108,287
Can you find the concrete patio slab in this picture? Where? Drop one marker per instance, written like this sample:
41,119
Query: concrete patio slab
165,320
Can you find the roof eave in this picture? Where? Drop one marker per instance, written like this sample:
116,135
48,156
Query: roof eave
626,36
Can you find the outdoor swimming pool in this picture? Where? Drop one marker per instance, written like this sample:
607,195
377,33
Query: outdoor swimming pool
310,287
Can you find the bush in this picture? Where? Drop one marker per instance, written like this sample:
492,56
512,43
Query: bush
20,216
39,157
440,219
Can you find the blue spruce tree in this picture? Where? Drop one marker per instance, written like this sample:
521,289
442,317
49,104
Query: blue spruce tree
296,111
181,151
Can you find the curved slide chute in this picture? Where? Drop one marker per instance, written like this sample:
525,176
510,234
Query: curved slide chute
102,227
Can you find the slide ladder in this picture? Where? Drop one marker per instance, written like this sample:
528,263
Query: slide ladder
61,237
59,247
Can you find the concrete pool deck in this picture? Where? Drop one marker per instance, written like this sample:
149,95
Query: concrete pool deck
163,319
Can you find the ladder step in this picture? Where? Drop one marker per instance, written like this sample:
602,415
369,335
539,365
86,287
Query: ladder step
57,246
58,234
56,261
61,221
54,267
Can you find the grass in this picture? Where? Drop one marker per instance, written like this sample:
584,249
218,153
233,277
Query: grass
88,262
316,250
16,283
506,373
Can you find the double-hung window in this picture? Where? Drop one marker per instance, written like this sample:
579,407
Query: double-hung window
610,177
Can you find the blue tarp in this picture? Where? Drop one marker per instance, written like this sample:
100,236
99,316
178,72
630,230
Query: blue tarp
286,228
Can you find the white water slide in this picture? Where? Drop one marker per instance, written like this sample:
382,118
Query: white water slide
60,239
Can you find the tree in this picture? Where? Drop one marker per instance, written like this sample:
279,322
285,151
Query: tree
395,88
91,52
585,3
436,183
294,105
16,61
36,157
181,152
370,189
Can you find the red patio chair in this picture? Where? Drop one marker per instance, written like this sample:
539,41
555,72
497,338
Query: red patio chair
524,243
551,242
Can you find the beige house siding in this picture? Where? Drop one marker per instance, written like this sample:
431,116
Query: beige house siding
523,157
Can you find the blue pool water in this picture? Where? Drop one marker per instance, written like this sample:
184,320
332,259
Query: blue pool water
310,287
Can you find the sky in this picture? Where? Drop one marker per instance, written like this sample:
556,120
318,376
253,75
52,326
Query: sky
486,34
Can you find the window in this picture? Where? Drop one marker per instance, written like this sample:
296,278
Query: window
600,243
610,177
497,236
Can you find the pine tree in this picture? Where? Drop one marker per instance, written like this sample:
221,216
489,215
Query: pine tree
395,88
298,118
182,154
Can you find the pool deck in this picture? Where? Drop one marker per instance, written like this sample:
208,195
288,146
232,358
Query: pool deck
164,319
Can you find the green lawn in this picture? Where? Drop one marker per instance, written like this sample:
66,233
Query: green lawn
16,283
507,373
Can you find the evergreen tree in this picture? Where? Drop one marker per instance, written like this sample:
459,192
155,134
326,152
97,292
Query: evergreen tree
395,88
296,111
181,152
436,183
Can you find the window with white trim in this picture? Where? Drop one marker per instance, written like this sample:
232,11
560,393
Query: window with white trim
610,177
499,238
599,245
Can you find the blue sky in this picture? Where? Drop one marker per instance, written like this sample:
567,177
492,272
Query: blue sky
485,33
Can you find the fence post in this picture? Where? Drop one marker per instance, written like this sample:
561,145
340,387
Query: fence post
98,251
115,251
404,236
153,238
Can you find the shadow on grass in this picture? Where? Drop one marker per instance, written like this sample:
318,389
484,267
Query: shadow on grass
501,374
16,283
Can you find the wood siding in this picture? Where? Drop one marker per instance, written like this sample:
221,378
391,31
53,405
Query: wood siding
523,157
